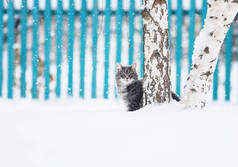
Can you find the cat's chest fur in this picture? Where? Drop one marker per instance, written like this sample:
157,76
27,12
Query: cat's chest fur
122,89
131,94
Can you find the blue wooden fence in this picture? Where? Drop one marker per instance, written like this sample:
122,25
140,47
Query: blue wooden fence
83,14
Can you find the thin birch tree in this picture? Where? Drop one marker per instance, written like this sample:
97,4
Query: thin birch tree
220,15
156,80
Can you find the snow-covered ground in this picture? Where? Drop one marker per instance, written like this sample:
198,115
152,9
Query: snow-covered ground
70,133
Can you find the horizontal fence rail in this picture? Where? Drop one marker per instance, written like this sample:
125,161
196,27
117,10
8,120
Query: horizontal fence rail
100,12
55,53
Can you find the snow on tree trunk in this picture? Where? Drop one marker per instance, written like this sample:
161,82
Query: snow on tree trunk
156,80
220,15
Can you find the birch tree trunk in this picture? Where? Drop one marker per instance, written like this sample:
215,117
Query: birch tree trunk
156,80
220,15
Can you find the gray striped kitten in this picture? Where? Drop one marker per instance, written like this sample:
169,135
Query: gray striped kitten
130,88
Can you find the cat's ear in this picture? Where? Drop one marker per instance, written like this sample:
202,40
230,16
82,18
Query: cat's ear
119,67
134,66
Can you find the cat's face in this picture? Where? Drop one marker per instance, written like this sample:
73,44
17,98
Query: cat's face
126,74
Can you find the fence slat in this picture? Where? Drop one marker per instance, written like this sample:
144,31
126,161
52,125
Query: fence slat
94,48
131,31
204,12
59,23
119,17
169,21
119,22
141,47
47,49
228,59
107,46
23,47
83,45
35,50
1,45
70,46
191,32
10,37
178,49
215,82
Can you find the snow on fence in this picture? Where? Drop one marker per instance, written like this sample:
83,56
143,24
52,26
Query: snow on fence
73,50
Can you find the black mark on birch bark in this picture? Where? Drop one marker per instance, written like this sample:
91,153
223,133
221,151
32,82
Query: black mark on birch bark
203,104
193,90
208,73
202,90
227,25
156,2
213,60
146,15
235,1
206,50
195,66
155,37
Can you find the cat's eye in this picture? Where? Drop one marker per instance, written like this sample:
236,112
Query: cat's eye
123,75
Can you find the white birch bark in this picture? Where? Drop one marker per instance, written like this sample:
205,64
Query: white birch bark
156,80
220,15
